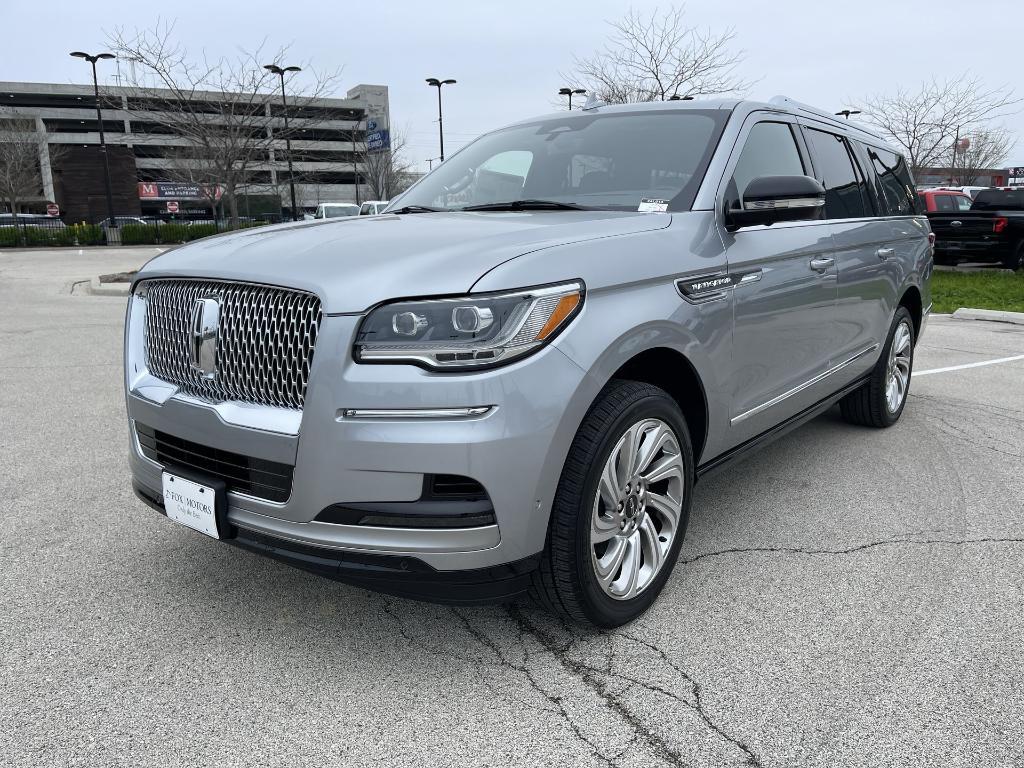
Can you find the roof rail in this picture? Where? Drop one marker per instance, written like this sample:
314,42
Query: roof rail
793,104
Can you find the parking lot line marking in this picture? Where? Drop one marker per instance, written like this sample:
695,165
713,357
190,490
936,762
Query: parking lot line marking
969,365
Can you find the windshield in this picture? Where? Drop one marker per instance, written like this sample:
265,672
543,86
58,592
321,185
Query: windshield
651,161
335,211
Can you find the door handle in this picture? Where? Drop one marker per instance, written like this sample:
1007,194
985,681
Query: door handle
821,264
885,253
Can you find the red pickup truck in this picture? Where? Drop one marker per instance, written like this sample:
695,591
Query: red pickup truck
944,201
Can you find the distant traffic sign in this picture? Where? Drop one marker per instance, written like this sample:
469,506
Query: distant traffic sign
172,207
52,209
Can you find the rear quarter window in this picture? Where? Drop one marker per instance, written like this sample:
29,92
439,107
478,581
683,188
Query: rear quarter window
895,181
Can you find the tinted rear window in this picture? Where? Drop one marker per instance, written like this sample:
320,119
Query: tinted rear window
997,199
895,181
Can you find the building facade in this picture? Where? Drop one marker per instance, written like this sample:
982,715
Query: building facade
982,177
329,139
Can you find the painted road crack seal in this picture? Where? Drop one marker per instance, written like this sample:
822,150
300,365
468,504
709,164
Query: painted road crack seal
851,550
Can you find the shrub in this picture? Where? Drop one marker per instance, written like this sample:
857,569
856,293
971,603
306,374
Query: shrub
197,231
88,234
8,237
138,234
172,232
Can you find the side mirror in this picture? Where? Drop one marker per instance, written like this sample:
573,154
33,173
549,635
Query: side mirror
771,199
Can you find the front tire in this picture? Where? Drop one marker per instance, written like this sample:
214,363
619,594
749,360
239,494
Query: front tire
621,508
880,402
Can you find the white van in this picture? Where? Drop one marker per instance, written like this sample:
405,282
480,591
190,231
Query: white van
335,210
373,207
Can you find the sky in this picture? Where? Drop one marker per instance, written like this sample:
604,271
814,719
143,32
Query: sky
510,57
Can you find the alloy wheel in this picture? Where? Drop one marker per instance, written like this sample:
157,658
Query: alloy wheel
637,508
898,378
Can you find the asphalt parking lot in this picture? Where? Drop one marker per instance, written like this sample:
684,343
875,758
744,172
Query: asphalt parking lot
847,597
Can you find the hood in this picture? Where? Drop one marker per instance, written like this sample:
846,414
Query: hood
356,262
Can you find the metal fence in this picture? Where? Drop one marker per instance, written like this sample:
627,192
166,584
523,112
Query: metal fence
28,230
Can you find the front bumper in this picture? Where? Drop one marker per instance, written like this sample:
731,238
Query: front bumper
516,450
396,575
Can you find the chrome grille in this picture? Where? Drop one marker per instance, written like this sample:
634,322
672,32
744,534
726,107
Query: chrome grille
265,346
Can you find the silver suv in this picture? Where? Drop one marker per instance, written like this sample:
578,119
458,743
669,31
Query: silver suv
511,380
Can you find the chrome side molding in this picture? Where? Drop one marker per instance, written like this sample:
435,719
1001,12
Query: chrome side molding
798,389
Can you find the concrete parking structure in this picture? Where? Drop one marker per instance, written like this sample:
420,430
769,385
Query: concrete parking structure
846,597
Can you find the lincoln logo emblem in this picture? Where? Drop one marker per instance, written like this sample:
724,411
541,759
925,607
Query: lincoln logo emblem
205,333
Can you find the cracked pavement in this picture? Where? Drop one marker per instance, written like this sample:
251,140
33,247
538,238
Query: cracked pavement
845,597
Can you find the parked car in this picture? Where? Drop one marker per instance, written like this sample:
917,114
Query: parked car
31,220
992,230
372,207
335,210
513,386
123,220
944,200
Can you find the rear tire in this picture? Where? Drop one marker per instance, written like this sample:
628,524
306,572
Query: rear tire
880,402
1015,260
621,509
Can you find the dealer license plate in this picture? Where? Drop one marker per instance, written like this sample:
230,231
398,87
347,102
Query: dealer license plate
191,504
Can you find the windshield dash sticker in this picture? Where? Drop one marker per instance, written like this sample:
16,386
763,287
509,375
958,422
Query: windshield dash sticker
652,205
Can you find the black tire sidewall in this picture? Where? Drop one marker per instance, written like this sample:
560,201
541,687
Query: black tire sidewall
601,609
1015,260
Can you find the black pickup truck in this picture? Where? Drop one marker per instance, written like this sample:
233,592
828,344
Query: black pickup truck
992,230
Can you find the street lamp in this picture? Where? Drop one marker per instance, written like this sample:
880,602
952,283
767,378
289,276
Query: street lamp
111,221
847,112
287,135
570,91
433,81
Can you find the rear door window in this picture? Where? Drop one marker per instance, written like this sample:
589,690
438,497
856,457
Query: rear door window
846,193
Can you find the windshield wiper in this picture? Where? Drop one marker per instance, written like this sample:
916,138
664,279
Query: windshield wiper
527,205
418,209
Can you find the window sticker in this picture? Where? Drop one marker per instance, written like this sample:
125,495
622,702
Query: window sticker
652,205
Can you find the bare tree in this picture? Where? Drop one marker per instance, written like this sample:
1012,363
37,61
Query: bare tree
927,122
659,57
227,110
19,163
988,148
387,172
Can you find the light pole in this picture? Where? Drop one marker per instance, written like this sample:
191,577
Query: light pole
111,221
847,112
355,157
287,134
570,91
433,81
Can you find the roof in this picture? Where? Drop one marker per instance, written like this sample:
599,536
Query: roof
776,104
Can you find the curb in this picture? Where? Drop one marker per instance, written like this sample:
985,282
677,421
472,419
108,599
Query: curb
973,269
992,315
96,288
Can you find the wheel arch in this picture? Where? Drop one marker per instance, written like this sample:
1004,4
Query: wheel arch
911,299
670,370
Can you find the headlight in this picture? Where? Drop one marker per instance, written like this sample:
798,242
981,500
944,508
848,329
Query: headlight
469,331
